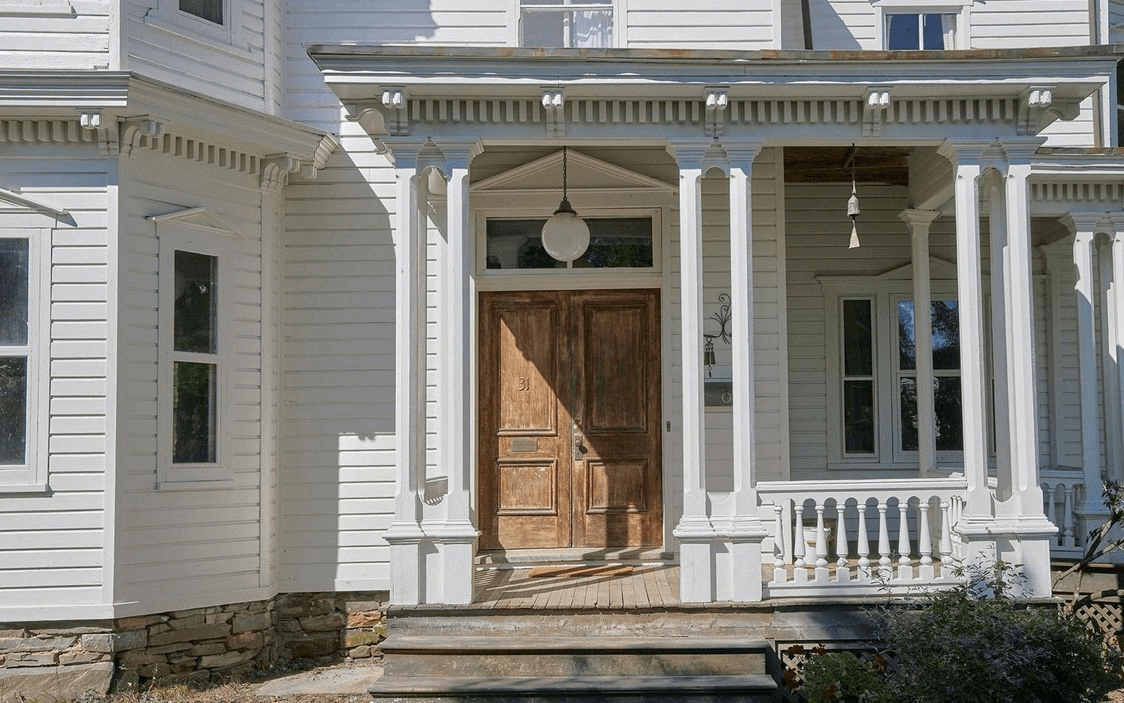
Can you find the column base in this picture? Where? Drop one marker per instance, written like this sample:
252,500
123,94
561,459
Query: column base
406,541
449,566
697,540
1023,542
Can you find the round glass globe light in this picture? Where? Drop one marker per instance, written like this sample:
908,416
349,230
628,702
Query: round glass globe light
565,236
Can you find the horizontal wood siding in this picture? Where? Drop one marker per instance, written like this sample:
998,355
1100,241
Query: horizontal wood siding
1115,21
842,25
52,547
722,24
78,40
1004,24
179,50
181,547
338,441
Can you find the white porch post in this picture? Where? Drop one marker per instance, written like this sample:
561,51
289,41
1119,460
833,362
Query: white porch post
1023,515
454,535
1113,267
997,228
746,532
694,531
404,534
1084,226
919,222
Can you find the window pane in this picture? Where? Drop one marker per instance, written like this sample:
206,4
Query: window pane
858,338
933,31
195,313
593,29
13,291
194,417
210,10
613,243
13,410
543,29
950,426
902,30
908,390
907,336
858,416
946,335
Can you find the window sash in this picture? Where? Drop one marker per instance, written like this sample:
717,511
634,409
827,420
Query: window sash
945,376
913,31
22,391
567,24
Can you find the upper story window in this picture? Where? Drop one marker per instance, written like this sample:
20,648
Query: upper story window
910,31
210,10
566,23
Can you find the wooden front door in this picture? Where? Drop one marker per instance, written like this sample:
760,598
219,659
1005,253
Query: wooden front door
570,419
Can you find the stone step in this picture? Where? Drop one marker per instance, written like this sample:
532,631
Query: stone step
622,689
514,656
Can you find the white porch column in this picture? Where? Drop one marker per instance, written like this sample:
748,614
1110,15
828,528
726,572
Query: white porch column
997,228
1084,226
1113,268
919,222
404,534
694,531
453,537
965,157
747,532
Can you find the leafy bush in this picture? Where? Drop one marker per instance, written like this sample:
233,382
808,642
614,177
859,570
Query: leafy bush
844,677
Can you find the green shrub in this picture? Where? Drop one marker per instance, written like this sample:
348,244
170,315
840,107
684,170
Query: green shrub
844,677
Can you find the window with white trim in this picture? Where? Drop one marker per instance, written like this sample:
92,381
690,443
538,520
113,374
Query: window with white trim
210,10
911,31
872,373
566,23
194,359
21,344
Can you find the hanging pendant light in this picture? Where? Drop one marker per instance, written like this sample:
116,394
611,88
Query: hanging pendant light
565,236
853,203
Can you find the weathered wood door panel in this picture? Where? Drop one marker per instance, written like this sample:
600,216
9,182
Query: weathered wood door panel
569,443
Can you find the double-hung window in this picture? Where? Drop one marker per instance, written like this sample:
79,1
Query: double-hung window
21,343
909,31
566,23
194,360
945,330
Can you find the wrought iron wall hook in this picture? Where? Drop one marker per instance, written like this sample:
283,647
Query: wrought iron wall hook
722,317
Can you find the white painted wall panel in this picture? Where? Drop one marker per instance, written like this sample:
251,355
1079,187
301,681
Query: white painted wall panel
1115,21
78,39
722,24
1005,24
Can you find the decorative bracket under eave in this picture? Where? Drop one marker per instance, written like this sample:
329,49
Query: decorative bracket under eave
108,139
275,170
717,104
875,106
324,150
1038,107
135,129
554,109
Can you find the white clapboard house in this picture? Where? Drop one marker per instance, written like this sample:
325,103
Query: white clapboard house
286,306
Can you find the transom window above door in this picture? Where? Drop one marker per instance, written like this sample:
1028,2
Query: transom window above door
614,242
566,23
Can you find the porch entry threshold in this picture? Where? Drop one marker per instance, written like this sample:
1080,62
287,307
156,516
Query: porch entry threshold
548,581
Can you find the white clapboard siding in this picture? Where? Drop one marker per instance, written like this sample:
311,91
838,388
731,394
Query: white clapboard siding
1080,131
842,25
52,547
1115,21
228,63
75,39
170,553
1005,24
722,24
337,364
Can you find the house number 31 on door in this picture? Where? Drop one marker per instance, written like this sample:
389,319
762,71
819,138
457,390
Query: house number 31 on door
524,384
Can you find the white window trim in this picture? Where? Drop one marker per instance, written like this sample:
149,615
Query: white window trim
32,477
42,8
173,237
515,22
884,292
961,8
226,36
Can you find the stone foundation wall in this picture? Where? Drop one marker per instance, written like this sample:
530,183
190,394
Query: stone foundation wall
227,641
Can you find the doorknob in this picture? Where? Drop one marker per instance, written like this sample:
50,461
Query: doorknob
579,444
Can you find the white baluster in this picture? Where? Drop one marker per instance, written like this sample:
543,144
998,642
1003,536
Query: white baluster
905,563
800,566
780,574
842,546
945,547
883,543
1049,509
1067,518
822,575
864,543
924,541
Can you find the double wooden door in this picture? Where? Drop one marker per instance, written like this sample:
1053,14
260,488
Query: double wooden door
570,419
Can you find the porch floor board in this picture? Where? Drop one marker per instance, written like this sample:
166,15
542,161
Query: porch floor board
641,586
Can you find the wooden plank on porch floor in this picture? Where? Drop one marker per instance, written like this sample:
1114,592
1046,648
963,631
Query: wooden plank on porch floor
602,593
616,597
640,584
628,588
668,588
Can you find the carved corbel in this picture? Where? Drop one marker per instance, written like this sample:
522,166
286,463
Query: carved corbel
275,170
107,138
717,103
554,107
134,129
875,106
1039,107
324,150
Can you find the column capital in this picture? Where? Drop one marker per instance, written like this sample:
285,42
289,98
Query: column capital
741,154
1020,151
1117,220
1083,224
689,153
459,153
918,220
965,152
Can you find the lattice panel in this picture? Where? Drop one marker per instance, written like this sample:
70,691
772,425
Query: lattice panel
792,657
1104,618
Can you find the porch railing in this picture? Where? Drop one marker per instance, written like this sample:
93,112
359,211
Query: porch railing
1063,489
861,537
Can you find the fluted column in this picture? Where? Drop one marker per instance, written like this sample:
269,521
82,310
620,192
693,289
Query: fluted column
694,531
919,222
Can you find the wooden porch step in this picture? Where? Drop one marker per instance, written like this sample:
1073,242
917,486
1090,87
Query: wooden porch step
635,689
538,657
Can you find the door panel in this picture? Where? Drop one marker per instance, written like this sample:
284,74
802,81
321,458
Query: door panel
569,441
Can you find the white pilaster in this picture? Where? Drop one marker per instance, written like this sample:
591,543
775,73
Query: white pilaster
694,531
1116,430
997,226
747,531
404,534
1084,230
919,222
1110,295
